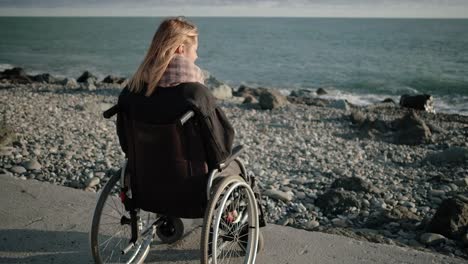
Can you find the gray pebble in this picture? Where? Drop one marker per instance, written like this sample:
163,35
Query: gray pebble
18,169
432,239
32,165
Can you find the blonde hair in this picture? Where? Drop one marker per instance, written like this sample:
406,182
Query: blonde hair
172,33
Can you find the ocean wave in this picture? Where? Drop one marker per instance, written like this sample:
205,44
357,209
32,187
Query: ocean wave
4,66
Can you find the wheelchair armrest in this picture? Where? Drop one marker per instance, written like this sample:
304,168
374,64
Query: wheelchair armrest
235,152
111,111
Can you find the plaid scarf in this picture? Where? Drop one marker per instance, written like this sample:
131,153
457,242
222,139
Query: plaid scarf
181,70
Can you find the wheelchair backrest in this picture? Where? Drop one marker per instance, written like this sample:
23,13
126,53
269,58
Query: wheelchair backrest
166,164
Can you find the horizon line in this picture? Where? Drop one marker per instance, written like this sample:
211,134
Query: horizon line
247,16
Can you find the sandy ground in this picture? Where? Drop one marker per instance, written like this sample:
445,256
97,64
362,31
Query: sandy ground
44,223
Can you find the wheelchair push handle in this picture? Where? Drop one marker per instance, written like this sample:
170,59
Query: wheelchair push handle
111,111
186,117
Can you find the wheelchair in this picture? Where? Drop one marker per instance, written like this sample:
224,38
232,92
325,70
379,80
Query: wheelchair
123,233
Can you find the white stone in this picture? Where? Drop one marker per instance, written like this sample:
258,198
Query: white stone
92,182
432,239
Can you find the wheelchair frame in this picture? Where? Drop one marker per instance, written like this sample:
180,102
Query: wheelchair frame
143,230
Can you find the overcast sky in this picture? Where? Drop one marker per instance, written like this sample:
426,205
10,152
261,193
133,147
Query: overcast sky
287,8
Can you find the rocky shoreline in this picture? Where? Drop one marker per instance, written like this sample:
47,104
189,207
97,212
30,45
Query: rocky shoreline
381,173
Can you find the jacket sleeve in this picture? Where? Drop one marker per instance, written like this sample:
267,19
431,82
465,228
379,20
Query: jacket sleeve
218,135
216,131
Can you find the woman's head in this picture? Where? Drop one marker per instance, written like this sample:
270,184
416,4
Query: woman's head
174,36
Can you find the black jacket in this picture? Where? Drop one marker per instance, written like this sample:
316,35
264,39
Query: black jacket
167,104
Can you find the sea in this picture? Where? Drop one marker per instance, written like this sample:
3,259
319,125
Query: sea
363,60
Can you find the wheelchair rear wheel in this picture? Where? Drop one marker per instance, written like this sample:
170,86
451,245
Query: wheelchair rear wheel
111,228
231,225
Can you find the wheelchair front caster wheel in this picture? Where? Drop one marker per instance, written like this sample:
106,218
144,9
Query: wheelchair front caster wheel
170,230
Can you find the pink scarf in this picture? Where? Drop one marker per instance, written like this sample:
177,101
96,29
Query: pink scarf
181,70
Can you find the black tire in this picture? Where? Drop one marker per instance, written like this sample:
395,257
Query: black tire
112,204
170,230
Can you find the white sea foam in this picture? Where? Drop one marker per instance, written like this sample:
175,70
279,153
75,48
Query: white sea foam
4,66
443,104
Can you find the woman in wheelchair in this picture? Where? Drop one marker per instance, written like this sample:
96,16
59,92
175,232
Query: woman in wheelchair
179,163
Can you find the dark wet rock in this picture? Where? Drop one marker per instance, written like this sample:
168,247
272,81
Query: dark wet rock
337,201
321,91
424,102
451,218
308,101
352,184
44,78
244,91
412,130
250,99
388,100
85,76
449,156
15,75
113,79
271,99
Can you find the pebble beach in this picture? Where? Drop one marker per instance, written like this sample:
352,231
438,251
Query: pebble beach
322,165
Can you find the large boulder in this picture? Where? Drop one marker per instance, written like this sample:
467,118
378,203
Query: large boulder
86,76
321,91
337,201
271,99
43,78
411,130
15,75
244,91
424,102
451,218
